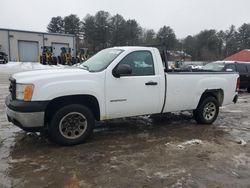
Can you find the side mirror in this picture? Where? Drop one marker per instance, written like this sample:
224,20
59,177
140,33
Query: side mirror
229,70
122,70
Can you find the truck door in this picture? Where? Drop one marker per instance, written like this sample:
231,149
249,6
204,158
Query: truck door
137,93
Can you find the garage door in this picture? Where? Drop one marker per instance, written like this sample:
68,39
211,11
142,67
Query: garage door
28,51
57,48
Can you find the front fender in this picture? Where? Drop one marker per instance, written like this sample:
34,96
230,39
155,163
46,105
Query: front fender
56,89
51,90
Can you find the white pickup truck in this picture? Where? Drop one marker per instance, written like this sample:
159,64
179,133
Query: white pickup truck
116,82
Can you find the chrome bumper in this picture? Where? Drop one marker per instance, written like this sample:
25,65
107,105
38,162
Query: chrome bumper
25,120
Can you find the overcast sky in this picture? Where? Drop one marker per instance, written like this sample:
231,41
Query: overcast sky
186,17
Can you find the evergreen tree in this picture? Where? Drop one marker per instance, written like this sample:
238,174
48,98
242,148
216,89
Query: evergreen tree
89,31
72,24
243,36
167,37
133,32
56,25
148,37
118,30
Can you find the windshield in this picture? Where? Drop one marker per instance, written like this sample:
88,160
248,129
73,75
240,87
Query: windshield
101,60
214,66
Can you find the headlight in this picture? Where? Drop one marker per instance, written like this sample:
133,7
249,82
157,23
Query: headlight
24,91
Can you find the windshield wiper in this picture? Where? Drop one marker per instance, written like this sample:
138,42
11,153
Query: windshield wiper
84,67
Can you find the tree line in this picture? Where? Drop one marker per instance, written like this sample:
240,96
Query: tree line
104,30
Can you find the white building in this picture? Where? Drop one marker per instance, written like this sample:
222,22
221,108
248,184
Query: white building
26,46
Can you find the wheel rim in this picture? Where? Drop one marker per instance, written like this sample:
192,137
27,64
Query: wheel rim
209,111
73,125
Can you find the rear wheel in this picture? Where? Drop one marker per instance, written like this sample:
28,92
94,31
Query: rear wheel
248,89
71,125
207,111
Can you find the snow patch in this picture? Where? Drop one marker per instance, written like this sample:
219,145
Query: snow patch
183,144
24,66
242,142
192,142
233,111
161,175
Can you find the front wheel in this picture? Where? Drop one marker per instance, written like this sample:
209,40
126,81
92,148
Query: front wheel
207,111
71,125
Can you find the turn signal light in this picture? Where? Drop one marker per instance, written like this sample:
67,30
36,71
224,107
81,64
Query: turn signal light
28,92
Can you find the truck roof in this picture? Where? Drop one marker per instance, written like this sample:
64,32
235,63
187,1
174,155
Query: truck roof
133,47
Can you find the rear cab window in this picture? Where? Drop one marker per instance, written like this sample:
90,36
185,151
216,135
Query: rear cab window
232,67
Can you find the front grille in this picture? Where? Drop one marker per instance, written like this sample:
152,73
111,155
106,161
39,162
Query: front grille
12,88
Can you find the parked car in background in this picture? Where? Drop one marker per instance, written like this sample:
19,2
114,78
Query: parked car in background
243,68
3,58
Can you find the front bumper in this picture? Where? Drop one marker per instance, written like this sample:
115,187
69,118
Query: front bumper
27,120
27,115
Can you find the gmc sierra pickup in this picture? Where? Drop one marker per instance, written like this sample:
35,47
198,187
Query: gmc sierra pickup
116,82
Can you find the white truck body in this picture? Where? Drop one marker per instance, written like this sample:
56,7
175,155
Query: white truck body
129,95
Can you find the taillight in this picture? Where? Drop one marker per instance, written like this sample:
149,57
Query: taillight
238,84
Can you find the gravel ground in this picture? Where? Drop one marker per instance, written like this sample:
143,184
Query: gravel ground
171,151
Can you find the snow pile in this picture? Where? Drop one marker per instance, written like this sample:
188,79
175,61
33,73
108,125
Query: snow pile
189,142
242,142
24,66
192,142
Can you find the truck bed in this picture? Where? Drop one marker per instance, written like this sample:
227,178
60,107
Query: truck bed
180,96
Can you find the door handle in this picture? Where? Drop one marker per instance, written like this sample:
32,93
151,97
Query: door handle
150,83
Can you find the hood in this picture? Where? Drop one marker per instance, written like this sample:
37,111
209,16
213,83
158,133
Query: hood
48,74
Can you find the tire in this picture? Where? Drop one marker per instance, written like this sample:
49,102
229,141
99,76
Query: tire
248,89
71,125
207,111
54,60
44,61
41,60
59,60
73,61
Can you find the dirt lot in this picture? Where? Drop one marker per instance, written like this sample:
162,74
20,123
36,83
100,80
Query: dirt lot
136,152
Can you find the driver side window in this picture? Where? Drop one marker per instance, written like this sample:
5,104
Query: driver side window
141,62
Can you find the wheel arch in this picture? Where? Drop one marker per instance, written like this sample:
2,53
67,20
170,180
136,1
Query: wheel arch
87,100
218,94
